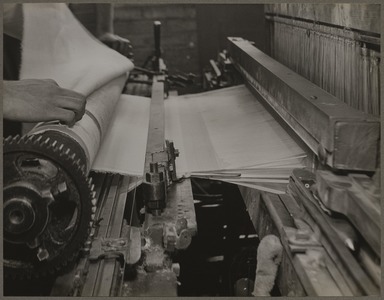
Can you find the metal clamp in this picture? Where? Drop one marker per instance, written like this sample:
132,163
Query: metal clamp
109,248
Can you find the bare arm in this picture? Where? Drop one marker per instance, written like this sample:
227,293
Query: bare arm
40,100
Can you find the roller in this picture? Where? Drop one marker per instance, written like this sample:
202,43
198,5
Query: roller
47,195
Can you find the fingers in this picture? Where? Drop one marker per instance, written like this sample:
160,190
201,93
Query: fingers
40,100
121,45
68,105
126,48
66,116
74,104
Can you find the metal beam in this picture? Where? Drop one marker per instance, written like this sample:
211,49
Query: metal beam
342,137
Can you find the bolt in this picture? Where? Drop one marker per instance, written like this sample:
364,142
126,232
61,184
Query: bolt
60,189
42,254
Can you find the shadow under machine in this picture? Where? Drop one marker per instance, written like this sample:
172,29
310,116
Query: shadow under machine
108,235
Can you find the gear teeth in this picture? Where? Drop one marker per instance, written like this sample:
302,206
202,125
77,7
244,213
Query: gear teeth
27,139
15,139
8,139
94,202
40,137
93,217
90,180
20,139
53,150
47,140
92,187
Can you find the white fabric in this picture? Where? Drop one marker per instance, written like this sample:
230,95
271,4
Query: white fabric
124,145
228,135
56,46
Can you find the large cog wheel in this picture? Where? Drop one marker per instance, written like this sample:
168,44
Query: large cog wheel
48,204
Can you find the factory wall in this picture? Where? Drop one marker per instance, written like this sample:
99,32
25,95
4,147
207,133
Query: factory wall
178,33
217,22
135,22
336,46
191,34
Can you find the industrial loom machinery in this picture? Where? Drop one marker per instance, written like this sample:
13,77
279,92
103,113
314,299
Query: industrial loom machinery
86,229
331,200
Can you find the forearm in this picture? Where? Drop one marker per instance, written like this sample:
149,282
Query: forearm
39,100
105,16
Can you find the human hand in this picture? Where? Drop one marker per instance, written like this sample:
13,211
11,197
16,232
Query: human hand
41,100
118,43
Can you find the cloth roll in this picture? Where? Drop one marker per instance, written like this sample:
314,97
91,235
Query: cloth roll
56,46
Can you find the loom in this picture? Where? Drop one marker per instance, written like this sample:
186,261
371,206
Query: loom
89,246
328,127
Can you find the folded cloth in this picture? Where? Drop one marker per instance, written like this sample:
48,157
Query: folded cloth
56,46
226,129
228,135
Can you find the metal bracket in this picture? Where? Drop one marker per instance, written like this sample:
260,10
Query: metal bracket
176,236
109,248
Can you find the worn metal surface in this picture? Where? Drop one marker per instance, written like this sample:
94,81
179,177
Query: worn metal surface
344,194
341,136
358,281
168,227
161,283
179,214
156,130
99,271
311,262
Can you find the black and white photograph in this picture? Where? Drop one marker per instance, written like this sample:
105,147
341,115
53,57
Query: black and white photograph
197,149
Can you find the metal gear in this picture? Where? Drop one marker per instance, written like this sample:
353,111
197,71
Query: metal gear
48,204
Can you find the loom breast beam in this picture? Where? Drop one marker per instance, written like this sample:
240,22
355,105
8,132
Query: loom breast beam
342,137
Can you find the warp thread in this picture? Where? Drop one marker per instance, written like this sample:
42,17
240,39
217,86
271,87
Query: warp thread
330,58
